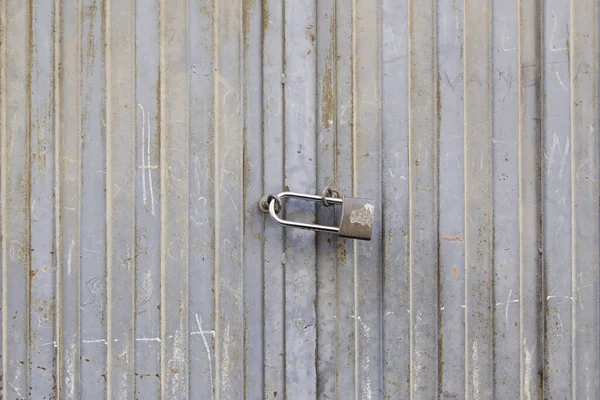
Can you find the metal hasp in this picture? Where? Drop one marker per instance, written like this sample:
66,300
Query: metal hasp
357,214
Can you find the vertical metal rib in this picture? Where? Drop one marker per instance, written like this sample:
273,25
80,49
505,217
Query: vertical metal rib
344,176
93,222
585,211
300,174
325,157
120,195
68,200
42,302
273,164
451,352
174,142
202,201
395,199
531,317
478,201
3,189
147,200
556,189
16,239
505,189
366,65
228,192
252,175
423,198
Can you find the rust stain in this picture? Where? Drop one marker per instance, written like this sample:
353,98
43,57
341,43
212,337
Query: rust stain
32,273
40,156
454,272
89,12
327,88
265,17
342,253
453,238
247,166
439,115
247,6
205,10
313,37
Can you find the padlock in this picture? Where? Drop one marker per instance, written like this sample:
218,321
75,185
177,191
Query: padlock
357,214
357,218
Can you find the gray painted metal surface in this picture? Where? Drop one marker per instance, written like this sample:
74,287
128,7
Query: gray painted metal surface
138,136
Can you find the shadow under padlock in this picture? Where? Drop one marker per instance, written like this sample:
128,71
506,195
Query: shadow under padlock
356,221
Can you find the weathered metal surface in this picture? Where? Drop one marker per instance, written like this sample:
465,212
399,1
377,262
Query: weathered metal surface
136,138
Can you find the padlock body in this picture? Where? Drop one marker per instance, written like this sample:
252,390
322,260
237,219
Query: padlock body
357,218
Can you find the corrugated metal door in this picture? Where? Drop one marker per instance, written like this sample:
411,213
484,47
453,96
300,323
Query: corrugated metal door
138,135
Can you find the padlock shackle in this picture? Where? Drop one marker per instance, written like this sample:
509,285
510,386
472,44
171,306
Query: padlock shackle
302,225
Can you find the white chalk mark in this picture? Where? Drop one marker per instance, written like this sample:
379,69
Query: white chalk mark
70,257
505,37
145,199
365,327
145,339
94,341
559,297
552,48
103,341
195,221
563,161
560,325
226,365
528,368
366,384
476,381
17,390
563,155
231,198
507,305
561,81
150,169
457,27
201,332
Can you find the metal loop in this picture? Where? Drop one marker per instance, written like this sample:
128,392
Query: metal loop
302,225
329,192
265,202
